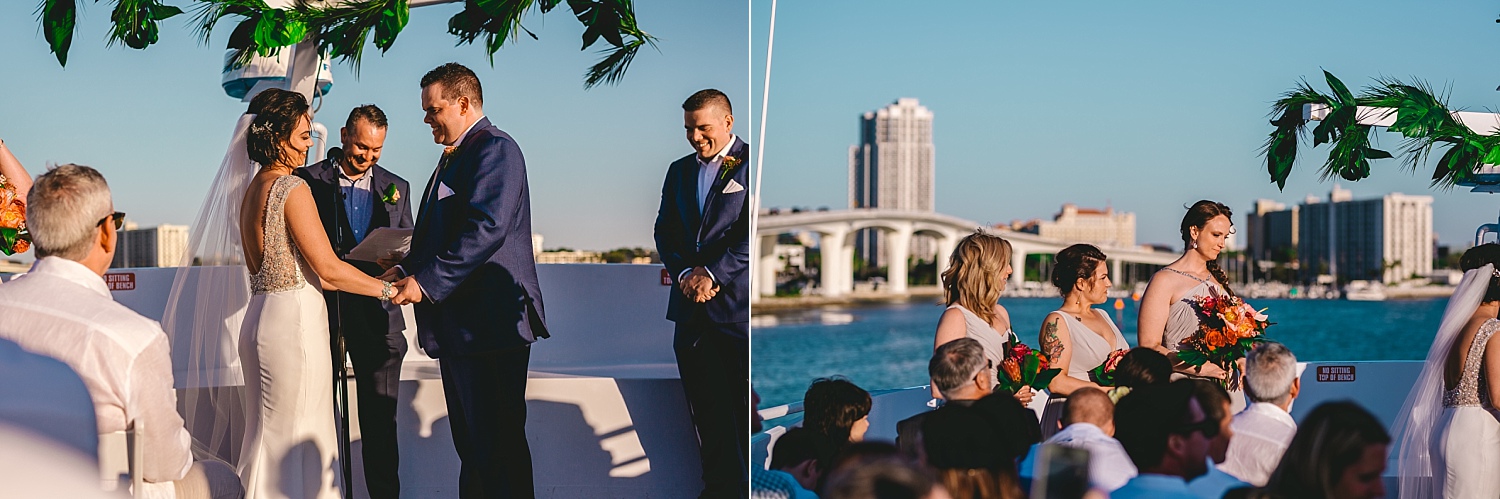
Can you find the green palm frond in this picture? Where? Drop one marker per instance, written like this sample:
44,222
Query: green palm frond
1422,117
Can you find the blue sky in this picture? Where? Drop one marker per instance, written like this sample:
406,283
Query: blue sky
156,122
1145,106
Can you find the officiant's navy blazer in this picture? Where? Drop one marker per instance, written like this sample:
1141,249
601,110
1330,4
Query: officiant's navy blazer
716,237
471,251
323,180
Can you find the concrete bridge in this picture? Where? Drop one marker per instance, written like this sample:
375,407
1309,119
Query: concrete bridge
836,230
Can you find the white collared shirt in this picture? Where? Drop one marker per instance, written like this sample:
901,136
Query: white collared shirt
64,310
1261,434
467,130
1109,466
709,171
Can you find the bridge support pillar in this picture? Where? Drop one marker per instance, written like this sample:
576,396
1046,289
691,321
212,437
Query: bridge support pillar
1017,265
835,267
900,251
945,245
766,266
1116,274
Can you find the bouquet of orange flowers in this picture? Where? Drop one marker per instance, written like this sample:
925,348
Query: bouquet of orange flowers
1104,375
1024,367
14,238
1227,329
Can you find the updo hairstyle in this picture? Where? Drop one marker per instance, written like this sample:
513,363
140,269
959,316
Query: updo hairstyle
1075,262
1479,256
277,113
1197,217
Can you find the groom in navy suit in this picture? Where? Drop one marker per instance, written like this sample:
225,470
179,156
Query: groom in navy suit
355,196
703,236
480,305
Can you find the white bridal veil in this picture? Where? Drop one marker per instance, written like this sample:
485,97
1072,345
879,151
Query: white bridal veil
1424,404
207,303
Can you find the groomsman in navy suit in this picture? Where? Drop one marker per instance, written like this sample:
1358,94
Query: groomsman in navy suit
481,306
703,235
355,196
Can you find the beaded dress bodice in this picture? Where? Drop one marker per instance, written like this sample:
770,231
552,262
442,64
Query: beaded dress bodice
281,263
1473,388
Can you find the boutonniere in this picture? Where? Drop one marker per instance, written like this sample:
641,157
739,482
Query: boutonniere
391,195
729,163
449,152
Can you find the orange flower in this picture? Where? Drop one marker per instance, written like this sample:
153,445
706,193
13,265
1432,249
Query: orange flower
1011,368
21,246
13,215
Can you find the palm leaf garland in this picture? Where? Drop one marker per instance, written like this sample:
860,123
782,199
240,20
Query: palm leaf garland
1422,118
135,23
343,28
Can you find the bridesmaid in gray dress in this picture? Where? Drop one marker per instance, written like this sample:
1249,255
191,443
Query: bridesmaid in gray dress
976,276
1166,316
1077,337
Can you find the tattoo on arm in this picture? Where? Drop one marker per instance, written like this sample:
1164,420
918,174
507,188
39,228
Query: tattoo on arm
1051,344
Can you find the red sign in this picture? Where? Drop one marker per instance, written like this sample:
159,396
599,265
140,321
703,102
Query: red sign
124,281
1335,373
666,278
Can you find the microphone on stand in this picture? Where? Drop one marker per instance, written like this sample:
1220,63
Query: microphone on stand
341,382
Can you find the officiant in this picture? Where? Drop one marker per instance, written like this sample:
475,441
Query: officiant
356,196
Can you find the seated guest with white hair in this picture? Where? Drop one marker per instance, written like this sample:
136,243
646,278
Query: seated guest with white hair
959,372
62,309
1264,429
1088,419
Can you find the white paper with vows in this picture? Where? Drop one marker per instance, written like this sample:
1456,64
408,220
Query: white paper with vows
381,242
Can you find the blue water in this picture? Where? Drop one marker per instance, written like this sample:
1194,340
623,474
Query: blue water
888,345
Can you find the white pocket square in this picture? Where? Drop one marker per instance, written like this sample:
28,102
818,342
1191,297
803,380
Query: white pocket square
733,187
444,191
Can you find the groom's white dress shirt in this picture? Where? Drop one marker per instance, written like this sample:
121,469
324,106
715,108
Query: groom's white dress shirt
1261,434
64,310
1109,466
708,172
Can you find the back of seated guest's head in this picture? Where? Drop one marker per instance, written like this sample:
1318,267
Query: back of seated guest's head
889,477
1339,450
1143,366
68,213
1092,406
837,408
960,371
804,454
1271,374
1164,430
1017,425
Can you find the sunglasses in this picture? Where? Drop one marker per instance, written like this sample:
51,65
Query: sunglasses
118,218
1208,427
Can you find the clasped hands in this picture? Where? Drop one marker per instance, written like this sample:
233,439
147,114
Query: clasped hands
407,289
699,286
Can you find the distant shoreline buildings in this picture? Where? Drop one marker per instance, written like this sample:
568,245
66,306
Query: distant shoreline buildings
1105,228
1387,239
160,246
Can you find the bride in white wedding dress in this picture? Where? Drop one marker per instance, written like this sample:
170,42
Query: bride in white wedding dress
1458,443
290,445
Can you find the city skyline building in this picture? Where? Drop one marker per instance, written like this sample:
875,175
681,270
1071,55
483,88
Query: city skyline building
893,167
1388,238
1271,231
160,246
1105,228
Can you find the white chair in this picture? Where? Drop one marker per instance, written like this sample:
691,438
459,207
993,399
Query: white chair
120,458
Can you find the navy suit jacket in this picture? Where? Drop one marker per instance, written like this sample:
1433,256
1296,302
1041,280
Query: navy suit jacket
716,237
323,180
471,251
